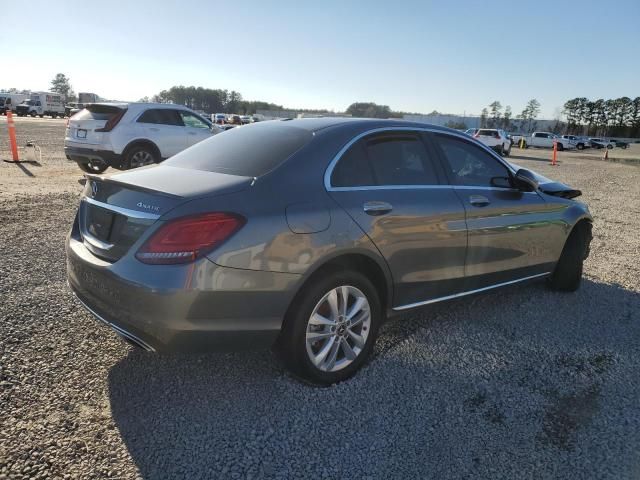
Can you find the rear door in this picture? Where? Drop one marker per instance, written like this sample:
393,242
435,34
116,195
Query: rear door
196,129
391,184
510,237
165,128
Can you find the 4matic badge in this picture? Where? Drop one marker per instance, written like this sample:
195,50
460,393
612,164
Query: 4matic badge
146,206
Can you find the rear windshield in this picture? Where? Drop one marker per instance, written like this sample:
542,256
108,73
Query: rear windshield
248,151
489,133
98,112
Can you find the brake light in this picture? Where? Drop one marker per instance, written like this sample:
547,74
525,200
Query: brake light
112,122
186,239
496,135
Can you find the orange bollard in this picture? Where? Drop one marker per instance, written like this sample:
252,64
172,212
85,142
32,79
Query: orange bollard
12,136
554,158
606,154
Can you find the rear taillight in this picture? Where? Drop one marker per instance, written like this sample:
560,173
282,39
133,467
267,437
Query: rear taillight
112,122
496,135
186,239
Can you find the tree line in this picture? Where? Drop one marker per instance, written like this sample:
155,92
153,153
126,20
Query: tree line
494,117
619,117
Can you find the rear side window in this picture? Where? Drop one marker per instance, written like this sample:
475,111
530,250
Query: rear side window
161,116
249,151
353,169
388,159
191,120
98,112
468,164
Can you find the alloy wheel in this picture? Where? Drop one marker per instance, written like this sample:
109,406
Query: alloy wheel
338,328
141,158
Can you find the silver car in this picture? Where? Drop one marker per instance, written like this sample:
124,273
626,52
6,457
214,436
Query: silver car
306,234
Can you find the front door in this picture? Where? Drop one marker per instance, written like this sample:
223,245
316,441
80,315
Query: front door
196,129
392,185
164,127
509,236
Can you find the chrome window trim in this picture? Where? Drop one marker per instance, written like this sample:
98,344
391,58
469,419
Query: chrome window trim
424,187
123,211
463,136
470,292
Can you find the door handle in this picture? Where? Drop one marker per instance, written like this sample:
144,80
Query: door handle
377,208
479,200
154,129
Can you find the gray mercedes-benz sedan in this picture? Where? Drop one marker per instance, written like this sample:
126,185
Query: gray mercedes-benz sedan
306,234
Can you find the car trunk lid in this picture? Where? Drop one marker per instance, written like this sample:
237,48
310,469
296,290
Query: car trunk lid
84,126
117,210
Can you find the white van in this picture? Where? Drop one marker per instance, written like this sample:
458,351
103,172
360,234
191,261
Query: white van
41,104
11,101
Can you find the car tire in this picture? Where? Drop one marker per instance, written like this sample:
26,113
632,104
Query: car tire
560,147
567,274
317,344
41,116
33,114
140,156
53,115
500,150
580,146
609,147
93,167
506,152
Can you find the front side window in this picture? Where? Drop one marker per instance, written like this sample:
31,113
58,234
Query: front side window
468,164
385,160
191,120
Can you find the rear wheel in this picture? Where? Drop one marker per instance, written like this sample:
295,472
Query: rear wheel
568,272
140,156
500,149
580,146
53,115
331,327
33,114
609,147
506,151
93,167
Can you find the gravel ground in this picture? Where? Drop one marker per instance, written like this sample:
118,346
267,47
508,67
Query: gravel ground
521,383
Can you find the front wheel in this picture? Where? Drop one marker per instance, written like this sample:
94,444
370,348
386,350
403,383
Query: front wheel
580,146
568,272
609,147
331,327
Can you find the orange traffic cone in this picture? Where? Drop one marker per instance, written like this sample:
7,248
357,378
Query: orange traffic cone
554,158
606,154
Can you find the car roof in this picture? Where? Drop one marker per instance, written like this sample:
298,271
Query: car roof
321,123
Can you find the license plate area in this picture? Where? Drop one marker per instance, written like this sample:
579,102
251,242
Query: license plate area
99,223
81,133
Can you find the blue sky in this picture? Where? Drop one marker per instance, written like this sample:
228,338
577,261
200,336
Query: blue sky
411,55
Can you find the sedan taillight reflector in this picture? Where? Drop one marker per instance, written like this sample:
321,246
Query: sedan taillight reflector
185,239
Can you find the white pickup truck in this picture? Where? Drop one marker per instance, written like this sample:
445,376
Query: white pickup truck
546,139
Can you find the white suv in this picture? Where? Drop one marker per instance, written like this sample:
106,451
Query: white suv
494,138
130,135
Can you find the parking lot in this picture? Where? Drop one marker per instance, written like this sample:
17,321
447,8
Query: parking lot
520,383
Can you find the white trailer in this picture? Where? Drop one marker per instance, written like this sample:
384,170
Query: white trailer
9,101
41,104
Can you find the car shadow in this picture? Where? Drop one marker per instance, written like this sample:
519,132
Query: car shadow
437,377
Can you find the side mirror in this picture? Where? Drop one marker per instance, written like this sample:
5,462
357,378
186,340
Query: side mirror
526,180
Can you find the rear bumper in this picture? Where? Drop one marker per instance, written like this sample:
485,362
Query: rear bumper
87,155
189,308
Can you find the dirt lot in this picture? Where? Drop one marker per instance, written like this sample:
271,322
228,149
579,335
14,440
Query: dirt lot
521,383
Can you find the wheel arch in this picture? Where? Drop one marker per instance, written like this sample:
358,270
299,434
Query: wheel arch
360,261
141,142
